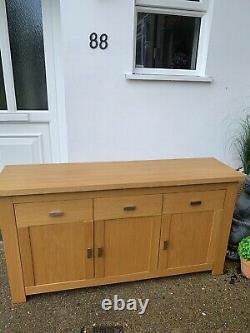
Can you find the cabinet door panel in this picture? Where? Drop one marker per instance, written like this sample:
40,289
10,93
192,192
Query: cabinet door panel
59,252
129,246
189,238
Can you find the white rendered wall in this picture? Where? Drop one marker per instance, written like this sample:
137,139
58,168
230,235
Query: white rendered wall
111,118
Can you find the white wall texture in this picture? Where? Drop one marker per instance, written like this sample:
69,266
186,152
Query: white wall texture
111,118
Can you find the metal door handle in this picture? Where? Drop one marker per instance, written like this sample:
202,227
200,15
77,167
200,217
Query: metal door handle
100,252
165,245
195,203
56,213
129,208
89,253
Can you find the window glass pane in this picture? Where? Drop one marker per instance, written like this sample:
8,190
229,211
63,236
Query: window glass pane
27,52
3,104
167,41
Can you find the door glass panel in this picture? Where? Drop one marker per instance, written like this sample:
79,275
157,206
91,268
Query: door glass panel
27,52
3,104
167,41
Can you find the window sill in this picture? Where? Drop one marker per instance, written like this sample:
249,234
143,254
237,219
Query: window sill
161,77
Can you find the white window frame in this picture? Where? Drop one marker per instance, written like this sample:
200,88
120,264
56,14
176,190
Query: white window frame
182,8
25,115
202,5
6,61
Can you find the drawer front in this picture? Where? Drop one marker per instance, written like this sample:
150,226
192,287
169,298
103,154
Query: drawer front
53,212
124,207
193,201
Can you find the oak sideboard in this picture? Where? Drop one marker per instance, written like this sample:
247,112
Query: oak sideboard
68,226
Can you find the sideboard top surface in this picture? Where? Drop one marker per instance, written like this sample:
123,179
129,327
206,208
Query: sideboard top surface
78,177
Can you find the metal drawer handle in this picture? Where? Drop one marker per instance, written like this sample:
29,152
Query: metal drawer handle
195,203
100,252
89,253
129,208
56,213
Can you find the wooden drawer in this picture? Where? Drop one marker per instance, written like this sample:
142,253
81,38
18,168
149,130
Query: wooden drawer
193,201
42,213
123,207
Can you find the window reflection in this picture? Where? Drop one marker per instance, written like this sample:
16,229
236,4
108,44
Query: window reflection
167,41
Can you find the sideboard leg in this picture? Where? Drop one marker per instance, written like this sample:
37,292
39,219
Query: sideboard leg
11,250
218,270
224,230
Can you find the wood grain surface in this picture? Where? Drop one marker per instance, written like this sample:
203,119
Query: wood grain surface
77,177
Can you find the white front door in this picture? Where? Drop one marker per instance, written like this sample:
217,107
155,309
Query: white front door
32,112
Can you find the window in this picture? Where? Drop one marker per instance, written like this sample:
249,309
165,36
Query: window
167,41
27,53
170,40
3,104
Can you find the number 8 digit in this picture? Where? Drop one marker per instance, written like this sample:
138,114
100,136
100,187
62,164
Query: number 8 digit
93,40
103,41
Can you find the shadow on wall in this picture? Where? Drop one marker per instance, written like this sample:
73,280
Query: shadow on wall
1,237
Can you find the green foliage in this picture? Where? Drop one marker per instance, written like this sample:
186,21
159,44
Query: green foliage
244,248
242,144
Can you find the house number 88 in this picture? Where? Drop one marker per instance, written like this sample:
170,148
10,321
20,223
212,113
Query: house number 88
102,42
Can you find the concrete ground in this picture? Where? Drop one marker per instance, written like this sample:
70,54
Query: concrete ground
188,303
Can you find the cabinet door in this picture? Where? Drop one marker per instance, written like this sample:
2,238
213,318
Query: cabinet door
188,239
126,246
189,229
56,253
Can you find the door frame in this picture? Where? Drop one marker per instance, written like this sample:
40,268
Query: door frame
55,117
